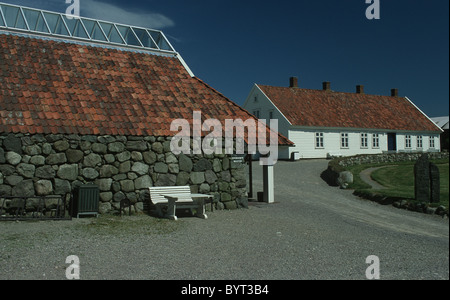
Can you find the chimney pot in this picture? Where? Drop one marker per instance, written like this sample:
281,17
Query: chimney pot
327,86
360,89
394,92
293,82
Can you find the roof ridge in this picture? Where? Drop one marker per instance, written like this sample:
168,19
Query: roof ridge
330,91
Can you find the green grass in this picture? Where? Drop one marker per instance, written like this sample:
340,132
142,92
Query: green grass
398,178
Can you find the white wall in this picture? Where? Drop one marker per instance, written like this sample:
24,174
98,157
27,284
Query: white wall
258,101
305,141
426,147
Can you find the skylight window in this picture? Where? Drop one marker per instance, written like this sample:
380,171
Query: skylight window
35,20
94,30
145,38
2,22
13,17
77,28
128,35
56,24
112,33
160,40
23,19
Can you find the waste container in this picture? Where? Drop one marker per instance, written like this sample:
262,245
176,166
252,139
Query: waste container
295,156
86,200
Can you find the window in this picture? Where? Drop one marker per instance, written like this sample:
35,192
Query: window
408,142
376,140
364,140
344,140
256,113
420,142
319,140
432,142
271,115
255,99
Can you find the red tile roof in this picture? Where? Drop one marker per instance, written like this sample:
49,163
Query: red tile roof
320,108
49,86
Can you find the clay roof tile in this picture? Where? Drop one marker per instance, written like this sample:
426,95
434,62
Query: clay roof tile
83,89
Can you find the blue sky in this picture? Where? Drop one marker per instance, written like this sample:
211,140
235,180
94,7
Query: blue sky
233,44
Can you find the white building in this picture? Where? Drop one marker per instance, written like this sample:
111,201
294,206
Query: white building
324,123
443,123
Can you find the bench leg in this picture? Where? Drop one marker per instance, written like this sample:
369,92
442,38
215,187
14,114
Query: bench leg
171,209
201,213
159,211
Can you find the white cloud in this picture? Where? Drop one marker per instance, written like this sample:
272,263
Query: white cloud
108,12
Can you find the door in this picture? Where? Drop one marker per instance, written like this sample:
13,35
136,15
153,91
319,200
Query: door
392,142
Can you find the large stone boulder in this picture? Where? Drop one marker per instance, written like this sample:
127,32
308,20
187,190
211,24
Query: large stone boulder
68,172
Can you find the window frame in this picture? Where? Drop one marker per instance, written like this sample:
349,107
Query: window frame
376,141
320,140
420,142
345,141
432,142
408,142
364,138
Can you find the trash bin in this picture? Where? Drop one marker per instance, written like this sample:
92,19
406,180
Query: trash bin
86,200
295,156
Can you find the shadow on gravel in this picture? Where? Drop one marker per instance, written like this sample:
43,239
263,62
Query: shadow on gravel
330,177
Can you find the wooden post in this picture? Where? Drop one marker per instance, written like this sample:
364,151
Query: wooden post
250,175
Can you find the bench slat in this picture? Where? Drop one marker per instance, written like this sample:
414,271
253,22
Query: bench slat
183,192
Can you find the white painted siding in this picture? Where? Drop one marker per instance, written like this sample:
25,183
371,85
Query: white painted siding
305,143
257,101
426,144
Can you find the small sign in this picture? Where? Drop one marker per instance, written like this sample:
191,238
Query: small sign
238,159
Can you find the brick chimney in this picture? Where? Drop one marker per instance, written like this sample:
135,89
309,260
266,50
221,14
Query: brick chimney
360,89
327,86
293,82
394,92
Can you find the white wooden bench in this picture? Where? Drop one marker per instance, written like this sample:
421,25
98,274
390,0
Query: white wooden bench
174,197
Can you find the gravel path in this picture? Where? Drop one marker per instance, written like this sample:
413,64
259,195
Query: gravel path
313,232
366,176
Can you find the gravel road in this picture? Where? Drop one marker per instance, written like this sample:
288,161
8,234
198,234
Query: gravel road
313,232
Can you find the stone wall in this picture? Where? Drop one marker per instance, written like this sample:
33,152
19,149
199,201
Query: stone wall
123,167
388,158
336,168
